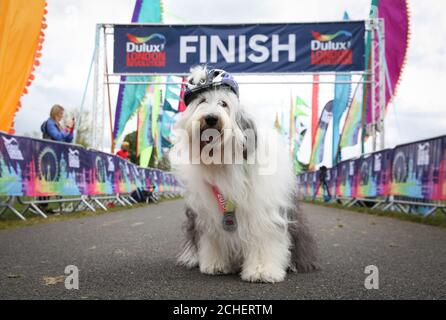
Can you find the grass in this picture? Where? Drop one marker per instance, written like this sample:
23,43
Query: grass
438,218
9,220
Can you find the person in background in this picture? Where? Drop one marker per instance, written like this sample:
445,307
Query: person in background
52,128
124,152
152,196
324,183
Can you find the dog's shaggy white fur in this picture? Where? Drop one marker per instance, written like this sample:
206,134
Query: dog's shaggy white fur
272,236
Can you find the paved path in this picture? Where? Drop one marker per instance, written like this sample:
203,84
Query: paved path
131,254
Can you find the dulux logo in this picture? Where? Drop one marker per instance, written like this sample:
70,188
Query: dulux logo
325,41
12,147
140,44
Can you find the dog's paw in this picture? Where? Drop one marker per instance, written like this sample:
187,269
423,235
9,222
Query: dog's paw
260,274
305,267
190,264
188,260
214,269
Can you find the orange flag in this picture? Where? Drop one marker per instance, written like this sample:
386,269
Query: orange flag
21,38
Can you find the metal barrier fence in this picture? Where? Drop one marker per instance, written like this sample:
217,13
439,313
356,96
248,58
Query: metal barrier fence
35,172
408,178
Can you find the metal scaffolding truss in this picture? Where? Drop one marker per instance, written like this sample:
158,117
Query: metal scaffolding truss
375,76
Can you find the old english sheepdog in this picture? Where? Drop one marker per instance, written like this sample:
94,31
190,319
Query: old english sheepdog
240,189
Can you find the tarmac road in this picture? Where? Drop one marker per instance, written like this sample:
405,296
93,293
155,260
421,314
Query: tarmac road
131,255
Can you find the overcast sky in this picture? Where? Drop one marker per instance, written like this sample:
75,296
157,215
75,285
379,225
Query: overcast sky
418,111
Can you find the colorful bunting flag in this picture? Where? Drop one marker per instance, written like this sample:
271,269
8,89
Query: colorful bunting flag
342,93
130,96
317,153
314,109
299,113
353,121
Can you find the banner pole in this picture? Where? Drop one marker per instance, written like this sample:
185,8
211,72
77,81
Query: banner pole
291,135
109,98
314,108
382,81
137,132
95,89
373,93
79,116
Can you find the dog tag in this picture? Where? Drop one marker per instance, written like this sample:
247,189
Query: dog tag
229,222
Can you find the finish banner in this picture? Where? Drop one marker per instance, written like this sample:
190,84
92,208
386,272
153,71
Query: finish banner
240,48
33,167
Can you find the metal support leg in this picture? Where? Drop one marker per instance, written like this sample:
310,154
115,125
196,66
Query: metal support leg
431,211
4,206
126,201
122,203
132,199
9,204
60,207
76,206
28,207
402,208
87,204
37,209
100,204
351,203
377,205
388,206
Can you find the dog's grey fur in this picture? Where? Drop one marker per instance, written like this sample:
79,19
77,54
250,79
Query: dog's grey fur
190,243
303,247
246,124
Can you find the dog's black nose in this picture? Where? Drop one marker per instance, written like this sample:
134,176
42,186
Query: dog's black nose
211,120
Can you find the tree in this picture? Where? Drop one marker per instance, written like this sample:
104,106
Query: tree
300,167
163,163
131,139
83,126
83,130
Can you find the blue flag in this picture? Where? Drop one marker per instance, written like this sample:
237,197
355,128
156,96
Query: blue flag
340,103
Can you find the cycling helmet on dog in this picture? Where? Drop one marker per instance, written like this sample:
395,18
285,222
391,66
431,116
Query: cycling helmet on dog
214,78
